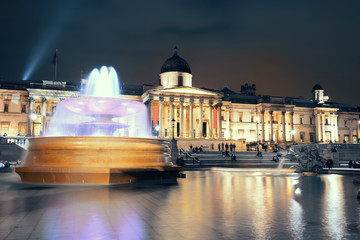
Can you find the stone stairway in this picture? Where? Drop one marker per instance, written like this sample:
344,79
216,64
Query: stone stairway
243,159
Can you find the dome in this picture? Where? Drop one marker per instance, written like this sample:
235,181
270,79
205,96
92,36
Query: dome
317,87
175,64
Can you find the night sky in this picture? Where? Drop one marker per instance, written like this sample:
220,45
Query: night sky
284,47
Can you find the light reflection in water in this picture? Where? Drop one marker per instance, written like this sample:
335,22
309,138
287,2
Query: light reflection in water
333,207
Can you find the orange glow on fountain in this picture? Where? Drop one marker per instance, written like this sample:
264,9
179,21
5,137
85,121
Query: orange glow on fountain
98,140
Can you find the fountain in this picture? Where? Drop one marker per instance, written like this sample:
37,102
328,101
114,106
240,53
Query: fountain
98,138
308,158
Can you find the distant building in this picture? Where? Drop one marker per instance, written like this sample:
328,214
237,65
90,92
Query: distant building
197,116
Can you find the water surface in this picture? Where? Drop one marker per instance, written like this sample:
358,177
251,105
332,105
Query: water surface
205,205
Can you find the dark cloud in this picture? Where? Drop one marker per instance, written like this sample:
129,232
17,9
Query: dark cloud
284,47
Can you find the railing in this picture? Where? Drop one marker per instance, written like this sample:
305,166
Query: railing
189,155
14,140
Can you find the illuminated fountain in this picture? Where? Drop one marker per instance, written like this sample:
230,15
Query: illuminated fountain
98,138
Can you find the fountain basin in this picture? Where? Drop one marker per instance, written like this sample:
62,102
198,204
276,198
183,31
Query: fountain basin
96,160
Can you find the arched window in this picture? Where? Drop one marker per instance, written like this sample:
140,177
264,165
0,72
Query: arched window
38,109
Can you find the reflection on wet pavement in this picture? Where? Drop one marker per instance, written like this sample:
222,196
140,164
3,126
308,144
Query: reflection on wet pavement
205,205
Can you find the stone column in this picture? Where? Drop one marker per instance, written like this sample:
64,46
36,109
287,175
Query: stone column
219,132
200,117
292,127
271,126
284,127
43,114
191,105
227,122
332,120
357,130
171,117
336,129
181,117
350,129
323,127
263,125
161,134
210,119
317,127
31,107
149,103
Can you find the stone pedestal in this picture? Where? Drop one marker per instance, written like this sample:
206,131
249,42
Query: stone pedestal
174,151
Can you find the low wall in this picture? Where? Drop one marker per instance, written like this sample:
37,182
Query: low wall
11,152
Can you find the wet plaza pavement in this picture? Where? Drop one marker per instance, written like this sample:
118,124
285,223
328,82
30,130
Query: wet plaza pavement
205,205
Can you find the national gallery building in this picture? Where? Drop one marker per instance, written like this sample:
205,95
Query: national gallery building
192,115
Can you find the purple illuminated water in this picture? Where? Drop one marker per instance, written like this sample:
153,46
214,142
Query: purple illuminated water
100,111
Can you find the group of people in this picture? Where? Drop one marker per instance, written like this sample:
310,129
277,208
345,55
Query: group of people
225,147
196,149
4,164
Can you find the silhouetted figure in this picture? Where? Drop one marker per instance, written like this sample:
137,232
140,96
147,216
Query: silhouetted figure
180,161
329,164
259,154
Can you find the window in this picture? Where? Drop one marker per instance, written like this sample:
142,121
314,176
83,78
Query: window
23,108
301,120
326,121
311,121
346,138
6,107
180,80
345,123
312,137
38,109
240,117
252,118
302,137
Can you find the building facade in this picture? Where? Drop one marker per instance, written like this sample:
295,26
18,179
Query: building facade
193,115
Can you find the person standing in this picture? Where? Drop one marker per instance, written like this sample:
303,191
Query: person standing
219,147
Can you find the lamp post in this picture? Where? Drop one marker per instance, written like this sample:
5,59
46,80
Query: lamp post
293,135
33,117
173,127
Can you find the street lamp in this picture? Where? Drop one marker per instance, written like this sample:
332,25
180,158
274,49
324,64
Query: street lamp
173,127
33,117
293,134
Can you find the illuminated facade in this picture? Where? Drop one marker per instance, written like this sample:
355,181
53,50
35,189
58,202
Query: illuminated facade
193,115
